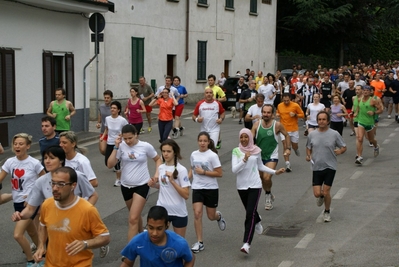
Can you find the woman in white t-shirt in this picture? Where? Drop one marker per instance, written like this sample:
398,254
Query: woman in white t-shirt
133,155
173,185
205,169
246,162
75,158
311,113
113,127
24,171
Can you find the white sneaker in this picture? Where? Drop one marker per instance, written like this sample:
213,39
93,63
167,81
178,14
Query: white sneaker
269,198
117,183
297,152
319,201
389,116
197,247
359,160
259,227
104,251
175,133
327,217
288,167
245,248
182,130
221,221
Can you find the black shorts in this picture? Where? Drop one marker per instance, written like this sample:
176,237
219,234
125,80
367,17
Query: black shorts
142,190
355,124
395,100
209,197
325,176
310,126
326,103
20,207
178,222
108,152
1,186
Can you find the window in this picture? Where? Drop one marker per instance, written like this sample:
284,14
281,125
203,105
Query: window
204,2
201,60
137,58
269,2
58,72
229,3
253,6
7,82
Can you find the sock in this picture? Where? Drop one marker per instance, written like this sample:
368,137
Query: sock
321,196
287,162
202,242
267,192
327,211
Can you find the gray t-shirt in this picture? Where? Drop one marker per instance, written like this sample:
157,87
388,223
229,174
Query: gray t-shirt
145,91
43,190
323,145
105,111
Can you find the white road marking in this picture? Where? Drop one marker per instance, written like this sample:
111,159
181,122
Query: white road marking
356,175
392,135
285,264
305,241
386,141
368,161
341,192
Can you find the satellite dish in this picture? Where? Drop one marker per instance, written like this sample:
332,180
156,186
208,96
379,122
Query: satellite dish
100,22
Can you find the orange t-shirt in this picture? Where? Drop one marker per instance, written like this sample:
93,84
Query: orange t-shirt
165,109
378,87
290,123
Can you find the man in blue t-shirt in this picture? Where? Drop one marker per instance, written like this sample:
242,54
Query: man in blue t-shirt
50,137
158,246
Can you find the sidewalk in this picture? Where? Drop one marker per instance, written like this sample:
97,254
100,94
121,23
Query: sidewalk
91,135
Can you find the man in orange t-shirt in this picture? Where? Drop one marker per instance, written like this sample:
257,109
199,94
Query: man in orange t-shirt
378,85
289,112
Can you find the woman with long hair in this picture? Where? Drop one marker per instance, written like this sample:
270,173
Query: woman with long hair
246,162
338,113
24,171
135,106
311,113
205,169
173,185
133,155
75,158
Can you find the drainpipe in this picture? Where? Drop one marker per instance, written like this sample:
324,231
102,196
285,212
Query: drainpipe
187,28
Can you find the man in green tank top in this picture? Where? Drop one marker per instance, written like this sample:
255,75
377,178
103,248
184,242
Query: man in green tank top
367,108
267,131
61,110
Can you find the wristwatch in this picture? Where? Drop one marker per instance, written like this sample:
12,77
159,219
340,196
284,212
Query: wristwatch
86,245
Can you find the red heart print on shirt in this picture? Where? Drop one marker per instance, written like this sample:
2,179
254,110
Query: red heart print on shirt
17,181
19,173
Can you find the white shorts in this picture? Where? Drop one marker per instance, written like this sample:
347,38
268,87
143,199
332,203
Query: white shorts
239,105
294,136
215,137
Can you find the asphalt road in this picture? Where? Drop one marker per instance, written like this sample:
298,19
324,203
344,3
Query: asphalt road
363,231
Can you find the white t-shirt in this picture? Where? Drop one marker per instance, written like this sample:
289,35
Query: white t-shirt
210,112
168,197
208,161
134,165
23,176
360,82
343,86
81,163
267,90
114,128
248,173
43,190
255,110
173,90
313,110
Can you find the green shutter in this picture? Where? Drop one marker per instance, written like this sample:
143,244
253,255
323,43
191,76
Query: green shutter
203,2
253,8
201,60
137,58
230,3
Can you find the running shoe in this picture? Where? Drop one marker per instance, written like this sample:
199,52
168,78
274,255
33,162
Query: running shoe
149,129
376,151
269,198
327,217
175,133
389,116
306,133
259,227
104,251
245,248
181,130
33,248
36,264
197,247
219,144
297,152
221,221
359,160
240,122
288,167
117,183
142,131
352,134
319,201
371,145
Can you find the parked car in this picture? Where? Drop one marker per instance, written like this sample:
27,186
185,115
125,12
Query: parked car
228,88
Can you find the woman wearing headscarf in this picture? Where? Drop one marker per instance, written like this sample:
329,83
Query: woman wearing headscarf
246,162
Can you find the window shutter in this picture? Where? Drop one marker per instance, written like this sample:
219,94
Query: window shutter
48,80
253,6
137,59
70,77
7,83
230,3
201,60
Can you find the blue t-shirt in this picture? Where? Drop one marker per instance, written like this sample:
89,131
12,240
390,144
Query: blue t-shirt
44,143
182,91
172,254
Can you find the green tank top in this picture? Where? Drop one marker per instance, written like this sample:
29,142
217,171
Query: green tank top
267,140
363,117
354,108
62,111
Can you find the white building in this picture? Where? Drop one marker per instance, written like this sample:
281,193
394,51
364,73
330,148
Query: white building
188,38
44,44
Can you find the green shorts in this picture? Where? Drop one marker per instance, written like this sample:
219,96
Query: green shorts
368,128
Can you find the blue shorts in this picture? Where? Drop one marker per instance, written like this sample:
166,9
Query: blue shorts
20,207
269,160
178,222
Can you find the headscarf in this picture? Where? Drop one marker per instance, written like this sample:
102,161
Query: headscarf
251,147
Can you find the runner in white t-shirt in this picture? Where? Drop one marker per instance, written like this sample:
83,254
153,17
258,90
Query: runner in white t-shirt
133,155
205,169
113,127
24,171
173,185
210,113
